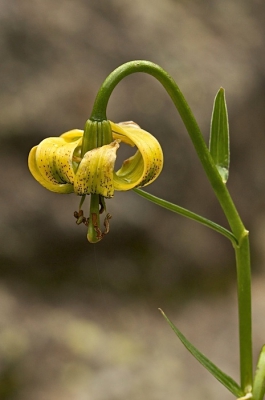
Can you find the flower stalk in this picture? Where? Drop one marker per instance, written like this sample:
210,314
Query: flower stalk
219,187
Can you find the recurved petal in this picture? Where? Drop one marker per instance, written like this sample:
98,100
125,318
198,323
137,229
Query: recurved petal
72,135
147,163
45,180
64,164
118,132
48,156
95,171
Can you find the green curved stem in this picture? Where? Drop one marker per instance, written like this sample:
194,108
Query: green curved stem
99,114
189,214
220,189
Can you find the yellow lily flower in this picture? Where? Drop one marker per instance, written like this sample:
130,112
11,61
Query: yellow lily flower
57,164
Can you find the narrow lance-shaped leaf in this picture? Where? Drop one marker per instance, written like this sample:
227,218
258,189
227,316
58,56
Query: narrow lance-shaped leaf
219,135
259,380
226,380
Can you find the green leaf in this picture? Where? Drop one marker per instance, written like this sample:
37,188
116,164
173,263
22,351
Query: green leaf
226,380
186,213
259,380
219,135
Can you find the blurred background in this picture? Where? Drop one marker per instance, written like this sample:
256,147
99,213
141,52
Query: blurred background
80,321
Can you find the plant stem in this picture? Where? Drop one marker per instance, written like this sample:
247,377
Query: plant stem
220,189
244,310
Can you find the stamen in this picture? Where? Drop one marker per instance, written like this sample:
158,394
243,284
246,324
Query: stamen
106,223
80,218
100,234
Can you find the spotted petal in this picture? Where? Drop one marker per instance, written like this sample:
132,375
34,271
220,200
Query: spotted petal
95,172
146,164
51,162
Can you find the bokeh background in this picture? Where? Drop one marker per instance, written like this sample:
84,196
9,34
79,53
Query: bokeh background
80,321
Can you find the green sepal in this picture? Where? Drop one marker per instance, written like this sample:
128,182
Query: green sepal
259,379
219,135
226,380
96,134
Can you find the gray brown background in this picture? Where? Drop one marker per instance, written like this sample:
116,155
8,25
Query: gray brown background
79,321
